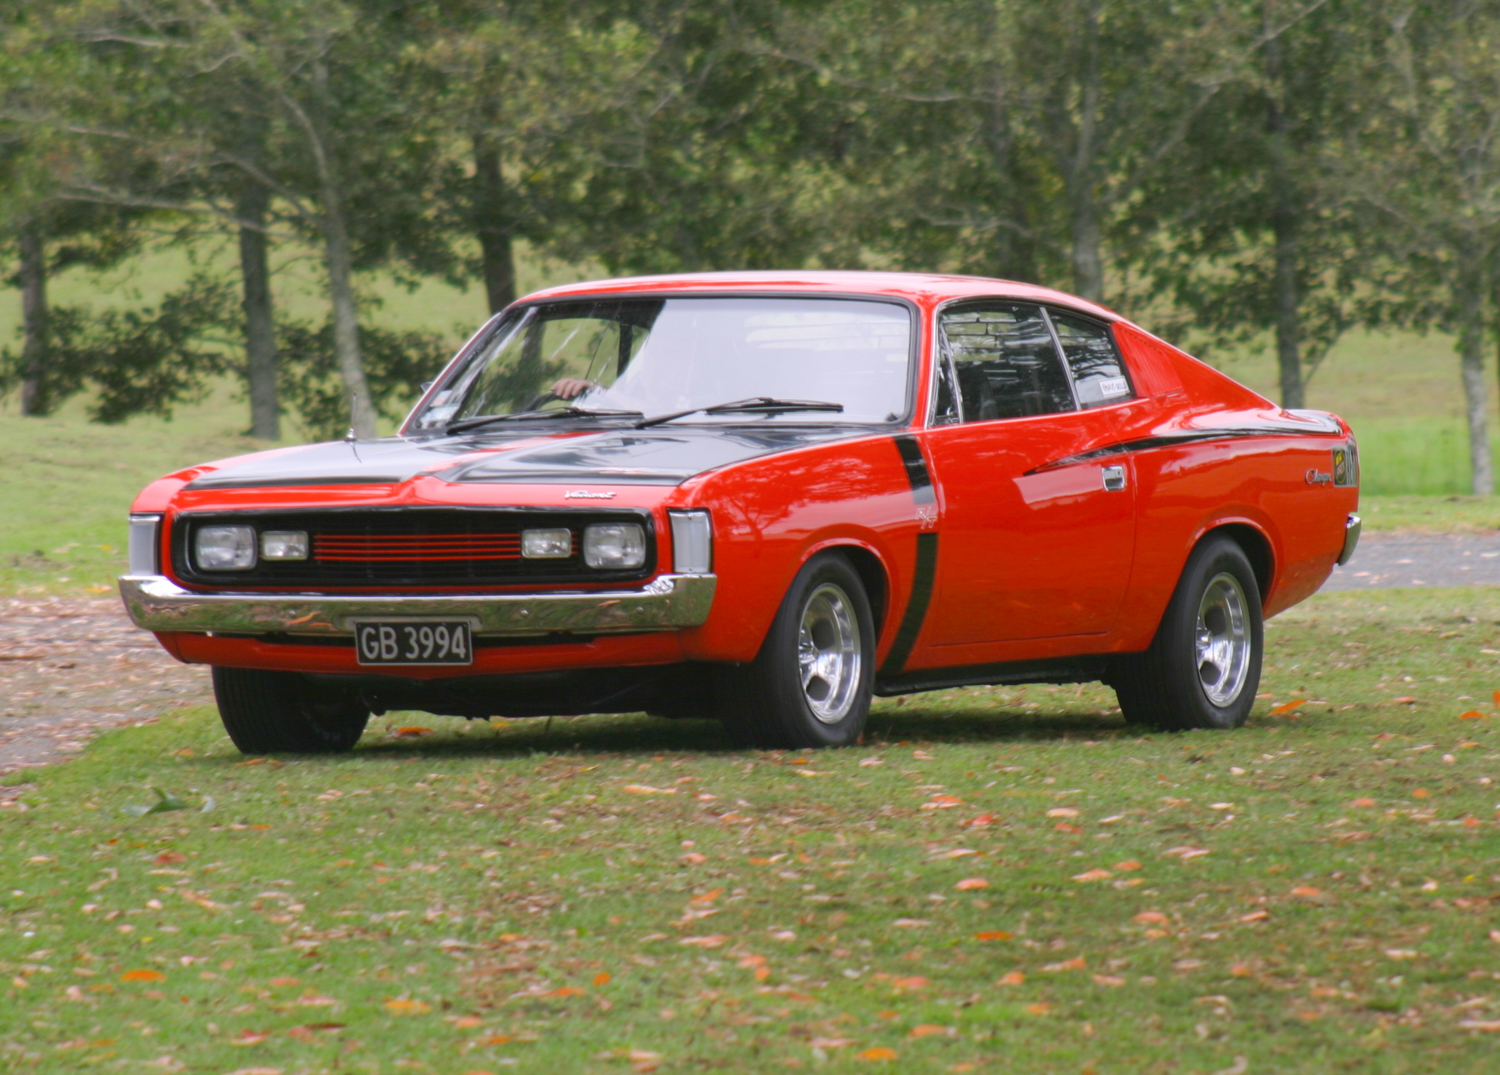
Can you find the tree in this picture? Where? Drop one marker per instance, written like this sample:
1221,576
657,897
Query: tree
1426,162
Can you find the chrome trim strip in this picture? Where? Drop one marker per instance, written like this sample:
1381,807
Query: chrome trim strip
1352,527
667,603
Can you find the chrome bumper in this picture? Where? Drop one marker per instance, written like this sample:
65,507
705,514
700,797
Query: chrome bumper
667,603
1352,526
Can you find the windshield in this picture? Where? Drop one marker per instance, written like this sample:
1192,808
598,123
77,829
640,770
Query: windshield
654,356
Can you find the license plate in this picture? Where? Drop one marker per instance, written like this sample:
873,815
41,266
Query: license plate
414,642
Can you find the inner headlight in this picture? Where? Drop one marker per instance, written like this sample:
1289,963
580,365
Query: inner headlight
224,548
618,546
284,545
555,543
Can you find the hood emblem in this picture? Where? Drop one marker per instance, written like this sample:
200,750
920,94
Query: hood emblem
584,494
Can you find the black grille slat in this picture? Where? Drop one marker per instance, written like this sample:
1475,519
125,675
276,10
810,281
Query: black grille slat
376,547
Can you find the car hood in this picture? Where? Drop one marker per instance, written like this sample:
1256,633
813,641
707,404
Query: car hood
657,456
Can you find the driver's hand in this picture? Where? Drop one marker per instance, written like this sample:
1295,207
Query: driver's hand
572,387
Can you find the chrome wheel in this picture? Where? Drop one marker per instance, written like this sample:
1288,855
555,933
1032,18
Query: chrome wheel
828,653
1223,640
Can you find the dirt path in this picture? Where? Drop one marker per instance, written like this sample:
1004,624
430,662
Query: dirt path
1401,559
71,667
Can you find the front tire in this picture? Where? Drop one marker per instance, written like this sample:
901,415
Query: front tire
282,713
811,683
1203,667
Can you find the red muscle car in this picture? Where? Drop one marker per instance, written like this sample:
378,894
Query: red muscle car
764,497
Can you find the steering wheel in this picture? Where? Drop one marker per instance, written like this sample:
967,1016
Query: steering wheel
542,400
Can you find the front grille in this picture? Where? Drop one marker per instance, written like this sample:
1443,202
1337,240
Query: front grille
414,548
362,547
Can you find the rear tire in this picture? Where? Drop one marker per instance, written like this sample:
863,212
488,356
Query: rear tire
811,683
282,713
1203,667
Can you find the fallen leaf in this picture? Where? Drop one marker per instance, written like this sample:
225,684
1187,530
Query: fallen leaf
143,976
1287,707
1076,963
1472,714
1486,1025
927,1030
1363,802
910,923
1109,980
169,858
602,978
1185,853
468,1022
942,802
969,884
249,1037
1255,916
1400,953
565,991
1421,793
831,1043
958,853
914,982
283,983
1239,970
407,1007
1148,917
316,1002
694,858
1093,875
992,935
880,1053
412,731
712,941
1040,1008
647,789
1127,865
1405,699
1062,811
1308,891
707,897
256,1071
1014,977
1495,935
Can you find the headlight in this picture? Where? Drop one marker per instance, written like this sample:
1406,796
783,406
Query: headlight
144,531
619,546
692,542
550,544
284,545
225,548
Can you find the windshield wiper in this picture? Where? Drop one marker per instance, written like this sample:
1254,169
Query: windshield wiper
753,405
535,416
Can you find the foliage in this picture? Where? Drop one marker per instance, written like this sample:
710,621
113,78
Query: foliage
142,361
396,365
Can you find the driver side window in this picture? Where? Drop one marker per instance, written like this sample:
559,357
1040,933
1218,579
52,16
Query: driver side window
1005,361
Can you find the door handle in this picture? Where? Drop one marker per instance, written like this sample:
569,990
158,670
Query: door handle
1114,479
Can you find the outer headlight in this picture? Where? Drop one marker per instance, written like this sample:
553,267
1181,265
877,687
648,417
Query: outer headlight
554,543
144,531
692,542
617,546
224,548
284,545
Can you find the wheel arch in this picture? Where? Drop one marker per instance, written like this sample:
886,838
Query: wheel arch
1257,549
872,573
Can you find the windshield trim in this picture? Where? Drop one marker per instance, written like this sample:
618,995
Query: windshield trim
501,321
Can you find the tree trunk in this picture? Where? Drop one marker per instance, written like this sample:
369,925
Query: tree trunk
34,318
1284,229
260,331
1471,295
492,223
1083,198
1015,250
339,261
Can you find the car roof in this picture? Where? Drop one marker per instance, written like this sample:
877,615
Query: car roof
925,289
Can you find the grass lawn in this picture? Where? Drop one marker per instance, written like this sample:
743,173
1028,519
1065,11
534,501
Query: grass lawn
1000,879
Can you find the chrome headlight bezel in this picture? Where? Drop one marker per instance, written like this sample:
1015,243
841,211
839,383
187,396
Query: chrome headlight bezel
225,548
614,546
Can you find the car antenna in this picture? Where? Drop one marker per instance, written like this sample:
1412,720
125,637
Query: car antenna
351,436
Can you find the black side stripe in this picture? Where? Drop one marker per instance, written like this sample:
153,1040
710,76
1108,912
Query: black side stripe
925,571
916,608
916,469
1187,436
